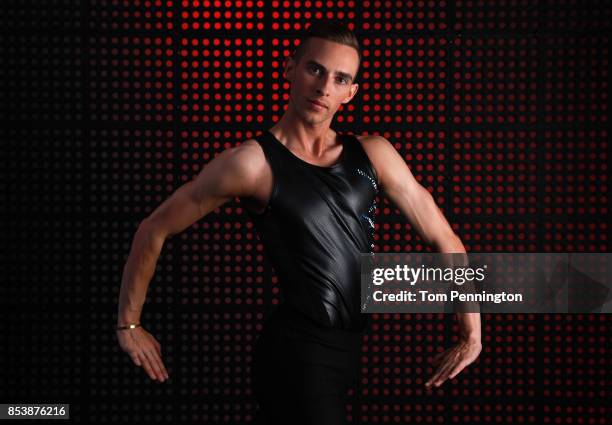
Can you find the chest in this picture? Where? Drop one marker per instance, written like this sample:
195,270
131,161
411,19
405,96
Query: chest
313,195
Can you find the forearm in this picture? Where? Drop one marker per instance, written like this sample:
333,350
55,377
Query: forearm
469,326
469,323
137,273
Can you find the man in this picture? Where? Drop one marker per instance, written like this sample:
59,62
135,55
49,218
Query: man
310,192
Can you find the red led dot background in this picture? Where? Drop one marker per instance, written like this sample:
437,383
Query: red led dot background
500,109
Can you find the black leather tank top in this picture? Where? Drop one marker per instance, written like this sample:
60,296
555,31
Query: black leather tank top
317,223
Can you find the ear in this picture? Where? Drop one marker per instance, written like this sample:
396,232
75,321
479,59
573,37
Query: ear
289,67
354,88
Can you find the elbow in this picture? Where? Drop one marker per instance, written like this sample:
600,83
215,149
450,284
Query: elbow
152,230
449,243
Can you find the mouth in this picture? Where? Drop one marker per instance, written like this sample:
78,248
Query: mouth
319,104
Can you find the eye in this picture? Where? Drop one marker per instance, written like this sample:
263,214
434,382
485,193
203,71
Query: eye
313,68
343,80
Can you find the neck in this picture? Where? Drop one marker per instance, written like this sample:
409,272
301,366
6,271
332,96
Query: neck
298,134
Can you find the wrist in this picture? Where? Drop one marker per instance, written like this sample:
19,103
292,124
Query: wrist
126,319
472,337
127,327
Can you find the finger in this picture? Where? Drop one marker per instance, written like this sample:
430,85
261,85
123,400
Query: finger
142,355
149,356
161,364
437,379
441,356
156,344
146,364
438,358
440,362
441,353
429,381
435,375
438,355
158,347
462,365
444,373
152,356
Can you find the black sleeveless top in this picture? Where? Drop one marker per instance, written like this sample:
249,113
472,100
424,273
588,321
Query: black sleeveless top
317,223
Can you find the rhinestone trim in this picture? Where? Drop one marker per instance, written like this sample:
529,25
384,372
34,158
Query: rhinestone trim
369,217
360,171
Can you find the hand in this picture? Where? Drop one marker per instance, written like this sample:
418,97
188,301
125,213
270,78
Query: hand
144,350
453,360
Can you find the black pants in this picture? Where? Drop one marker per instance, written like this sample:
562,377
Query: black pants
301,372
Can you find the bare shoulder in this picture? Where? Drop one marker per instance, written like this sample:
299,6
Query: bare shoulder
235,171
247,151
251,146
380,151
248,158
374,142
251,167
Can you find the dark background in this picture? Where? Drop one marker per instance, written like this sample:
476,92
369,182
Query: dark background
499,108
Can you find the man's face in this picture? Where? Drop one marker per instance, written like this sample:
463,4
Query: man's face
324,74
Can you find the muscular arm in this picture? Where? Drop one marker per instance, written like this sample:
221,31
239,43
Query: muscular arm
232,173
413,200
418,206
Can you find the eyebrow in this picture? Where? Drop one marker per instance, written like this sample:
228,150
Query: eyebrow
340,73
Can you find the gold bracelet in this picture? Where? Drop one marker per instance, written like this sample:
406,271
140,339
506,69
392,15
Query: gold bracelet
133,326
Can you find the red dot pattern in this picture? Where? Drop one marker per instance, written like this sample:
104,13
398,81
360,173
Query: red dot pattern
500,109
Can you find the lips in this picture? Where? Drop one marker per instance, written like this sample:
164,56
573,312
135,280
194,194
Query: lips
318,103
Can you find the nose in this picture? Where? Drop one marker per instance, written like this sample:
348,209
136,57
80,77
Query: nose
323,85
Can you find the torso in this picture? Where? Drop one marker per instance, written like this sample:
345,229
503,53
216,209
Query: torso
314,220
258,202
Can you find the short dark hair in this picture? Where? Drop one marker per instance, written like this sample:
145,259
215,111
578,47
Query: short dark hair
332,30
